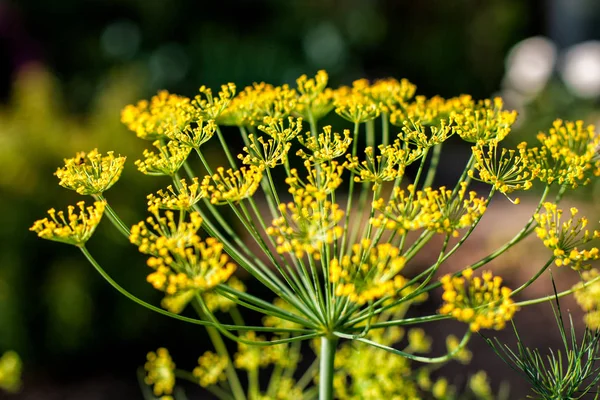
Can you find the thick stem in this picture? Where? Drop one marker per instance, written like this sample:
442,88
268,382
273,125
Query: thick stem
328,348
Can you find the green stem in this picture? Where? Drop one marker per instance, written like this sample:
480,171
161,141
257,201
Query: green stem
435,160
556,296
327,357
221,349
114,218
534,278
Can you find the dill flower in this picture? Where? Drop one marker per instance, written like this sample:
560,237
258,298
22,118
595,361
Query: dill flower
365,372
425,111
310,88
463,356
481,302
210,107
418,342
413,131
324,147
265,154
73,228
405,211
305,225
486,121
90,173
275,128
356,108
194,136
232,186
10,372
390,92
563,238
387,166
214,301
210,369
171,232
252,105
568,154
369,273
198,266
182,199
160,372
587,296
151,120
320,106
507,172
168,161
447,213
321,181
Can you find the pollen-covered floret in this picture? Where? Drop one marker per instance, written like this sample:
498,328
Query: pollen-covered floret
565,237
275,128
184,198
164,113
306,225
165,228
355,107
168,161
160,372
483,302
209,107
72,228
568,154
257,102
232,186
388,165
90,173
484,121
325,147
507,171
210,369
588,297
194,135
369,273
321,181
263,153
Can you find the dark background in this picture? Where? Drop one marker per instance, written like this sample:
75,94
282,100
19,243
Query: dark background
67,67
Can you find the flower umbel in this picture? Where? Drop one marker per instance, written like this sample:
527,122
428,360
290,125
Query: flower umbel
90,173
73,228
168,161
564,238
483,303
160,372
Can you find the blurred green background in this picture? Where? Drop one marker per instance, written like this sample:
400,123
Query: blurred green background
67,67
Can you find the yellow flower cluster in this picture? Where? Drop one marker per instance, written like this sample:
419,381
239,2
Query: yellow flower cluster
306,225
568,155
183,264
90,173
563,238
587,296
73,228
210,369
232,186
182,199
254,357
193,136
369,273
265,154
425,136
483,303
355,106
388,165
321,181
152,119
324,147
276,128
507,172
255,103
160,372
209,107
215,302
168,161
484,121
440,211
365,372
10,372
